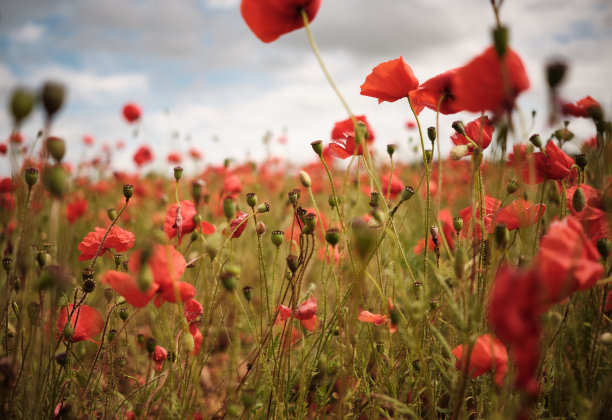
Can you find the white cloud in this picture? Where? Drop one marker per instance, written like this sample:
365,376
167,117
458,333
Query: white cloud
29,33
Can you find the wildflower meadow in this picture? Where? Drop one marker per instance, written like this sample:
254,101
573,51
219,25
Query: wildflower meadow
461,285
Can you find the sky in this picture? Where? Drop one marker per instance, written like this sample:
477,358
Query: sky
205,81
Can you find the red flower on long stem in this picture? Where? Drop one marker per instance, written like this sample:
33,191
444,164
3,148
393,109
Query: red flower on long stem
488,354
347,125
269,19
438,91
390,81
159,355
585,107
480,131
119,239
180,223
143,156
131,112
88,324
551,164
305,312
378,319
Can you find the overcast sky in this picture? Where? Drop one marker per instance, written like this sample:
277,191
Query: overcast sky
197,70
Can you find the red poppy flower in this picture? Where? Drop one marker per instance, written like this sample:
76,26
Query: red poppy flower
238,224
131,112
487,354
180,222
446,219
554,164
88,324
16,138
88,140
378,319
390,81
76,209
193,310
269,19
119,239
480,131
491,205
6,185
430,92
344,149
592,217
232,185
126,285
195,154
344,126
174,158
519,214
3,148
583,108
396,185
159,355
305,313
197,337
479,85
567,261
143,156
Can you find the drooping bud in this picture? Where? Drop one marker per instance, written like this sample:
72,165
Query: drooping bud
536,140
112,214
229,207
305,179
52,97
512,186
317,146
178,173
407,193
56,147
31,176
128,191
578,200
251,200
457,224
260,229
247,291
277,237
293,263
21,104
459,127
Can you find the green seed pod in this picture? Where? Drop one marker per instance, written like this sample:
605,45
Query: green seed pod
407,193
390,149
310,221
431,134
459,127
31,176
604,246
52,97
112,214
124,314
229,281
43,258
332,236
89,285
247,291
263,208
294,196
111,335
109,293
144,278
293,263
536,140
7,263
128,191
55,179
317,146
512,186
56,147
178,173
67,331
581,161
578,200
500,40
364,237
229,207
21,104
277,237
150,344
121,361
117,258
458,224
251,199
188,343
563,134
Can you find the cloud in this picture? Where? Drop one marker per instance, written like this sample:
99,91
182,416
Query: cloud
29,33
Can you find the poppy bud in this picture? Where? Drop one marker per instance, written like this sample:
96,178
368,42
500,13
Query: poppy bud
7,263
394,316
111,335
260,229
56,147
578,200
502,235
305,179
233,269
459,152
581,161
89,285
109,294
310,222
178,173
61,359
263,208
22,102
512,186
43,258
361,132
536,140
196,189
251,199
457,224
563,134
293,263
197,219
52,97
407,193
459,127
68,331
332,236
229,281
144,278
364,237
390,149
188,343
55,180
150,344
31,176
604,246
294,196
247,291
317,146
378,215
431,133
140,338
332,201
124,314
229,207
500,40
112,214
555,72
277,237
128,191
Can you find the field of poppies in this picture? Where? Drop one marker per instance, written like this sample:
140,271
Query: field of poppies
355,286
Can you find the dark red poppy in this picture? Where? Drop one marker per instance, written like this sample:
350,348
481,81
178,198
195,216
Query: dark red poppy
143,156
344,126
238,224
182,222
119,239
585,107
390,81
480,131
131,112
430,92
269,19
490,83
488,354
88,324
553,164
159,355
3,148
75,209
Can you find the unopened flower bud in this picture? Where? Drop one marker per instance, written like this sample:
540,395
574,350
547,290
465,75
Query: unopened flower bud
459,152
31,176
332,201
56,147
378,215
500,40
317,146
604,246
431,134
293,263
43,258
457,224
144,278
361,132
251,199
55,179
112,214
263,208
188,343
364,237
247,291
563,134
578,200
52,97
178,173
277,237
67,331
536,140
555,72
229,281
229,207
128,191
332,236
512,186
111,335
150,344
22,102
407,193
390,149
261,228
305,179
459,127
